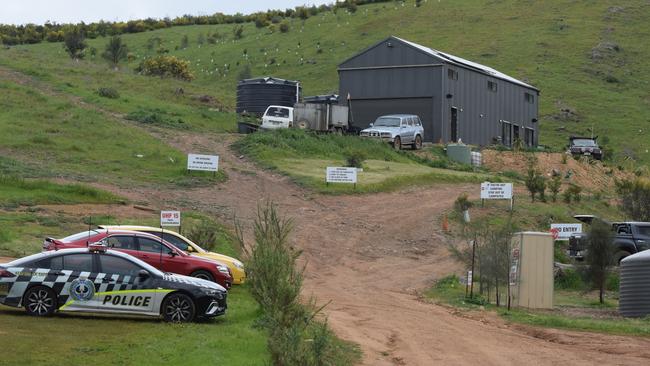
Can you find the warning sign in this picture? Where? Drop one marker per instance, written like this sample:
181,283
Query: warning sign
564,231
170,218
341,175
496,191
208,163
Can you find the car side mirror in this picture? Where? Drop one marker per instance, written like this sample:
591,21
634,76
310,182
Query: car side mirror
143,274
172,253
403,126
190,249
372,125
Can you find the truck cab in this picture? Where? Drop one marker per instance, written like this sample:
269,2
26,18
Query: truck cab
277,116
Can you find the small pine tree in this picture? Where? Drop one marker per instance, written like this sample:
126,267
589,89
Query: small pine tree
238,32
201,39
600,254
115,51
554,186
74,42
185,42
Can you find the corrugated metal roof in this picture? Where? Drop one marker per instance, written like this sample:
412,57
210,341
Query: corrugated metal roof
463,62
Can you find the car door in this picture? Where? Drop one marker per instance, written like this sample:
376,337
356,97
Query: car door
405,130
81,279
123,288
122,243
642,237
161,256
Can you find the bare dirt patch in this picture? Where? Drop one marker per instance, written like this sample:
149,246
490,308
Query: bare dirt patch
591,175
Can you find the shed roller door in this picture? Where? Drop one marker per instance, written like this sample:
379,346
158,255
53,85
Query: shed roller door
366,111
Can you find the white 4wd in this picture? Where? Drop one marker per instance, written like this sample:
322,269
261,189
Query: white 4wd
397,129
277,117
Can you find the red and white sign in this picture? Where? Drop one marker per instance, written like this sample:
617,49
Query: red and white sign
170,218
564,231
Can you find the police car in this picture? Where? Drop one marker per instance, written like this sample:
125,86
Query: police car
96,279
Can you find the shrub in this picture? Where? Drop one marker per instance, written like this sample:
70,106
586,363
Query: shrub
238,31
108,93
554,186
634,198
185,42
115,51
284,26
74,42
536,183
569,280
463,203
204,234
156,117
354,157
600,253
574,191
166,66
245,73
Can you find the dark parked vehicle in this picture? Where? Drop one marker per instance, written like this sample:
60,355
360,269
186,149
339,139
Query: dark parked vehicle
99,280
586,146
629,238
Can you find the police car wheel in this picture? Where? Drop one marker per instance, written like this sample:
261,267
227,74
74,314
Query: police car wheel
178,308
40,301
204,275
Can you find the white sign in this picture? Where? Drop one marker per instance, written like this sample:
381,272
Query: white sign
341,175
170,218
469,278
564,231
208,163
496,191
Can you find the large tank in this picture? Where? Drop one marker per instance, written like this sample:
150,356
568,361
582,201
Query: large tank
255,95
634,297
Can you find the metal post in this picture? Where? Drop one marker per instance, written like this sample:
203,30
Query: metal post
471,290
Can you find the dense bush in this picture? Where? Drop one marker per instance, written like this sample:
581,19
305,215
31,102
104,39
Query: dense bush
110,93
74,42
52,32
166,66
354,157
156,116
635,198
204,234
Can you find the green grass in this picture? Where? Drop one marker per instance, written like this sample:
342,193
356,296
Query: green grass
549,46
451,292
106,340
59,136
16,191
304,156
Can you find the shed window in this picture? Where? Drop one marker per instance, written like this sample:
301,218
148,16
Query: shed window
492,86
506,133
452,74
529,137
529,98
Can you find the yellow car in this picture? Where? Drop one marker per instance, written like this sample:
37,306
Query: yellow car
186,245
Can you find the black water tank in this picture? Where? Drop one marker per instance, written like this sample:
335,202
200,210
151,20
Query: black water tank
634,292
255,95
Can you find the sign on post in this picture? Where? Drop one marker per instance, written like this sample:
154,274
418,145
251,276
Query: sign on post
469,278
496,191
564,231
341,175
170,218
206,163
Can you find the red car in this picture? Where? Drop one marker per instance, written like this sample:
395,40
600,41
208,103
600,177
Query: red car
150,249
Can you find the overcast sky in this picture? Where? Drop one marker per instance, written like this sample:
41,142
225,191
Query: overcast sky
74,11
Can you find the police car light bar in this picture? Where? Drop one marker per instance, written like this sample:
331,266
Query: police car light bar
97,247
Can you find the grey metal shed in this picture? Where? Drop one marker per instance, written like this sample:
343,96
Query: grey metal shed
455,98
634,296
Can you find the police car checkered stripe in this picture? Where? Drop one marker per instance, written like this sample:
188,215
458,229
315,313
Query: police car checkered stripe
59,281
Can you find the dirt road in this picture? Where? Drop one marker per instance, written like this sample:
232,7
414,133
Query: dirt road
369,255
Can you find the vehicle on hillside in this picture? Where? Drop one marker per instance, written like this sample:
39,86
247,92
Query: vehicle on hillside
586,146
96,279
150,249
181,242
629,238
324,117
397,129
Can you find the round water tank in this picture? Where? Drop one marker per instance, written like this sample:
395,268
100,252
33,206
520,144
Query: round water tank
634,298
255,95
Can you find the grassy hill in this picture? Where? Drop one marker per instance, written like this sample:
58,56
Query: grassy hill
588,59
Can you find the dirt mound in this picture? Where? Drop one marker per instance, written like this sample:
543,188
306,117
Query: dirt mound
591,175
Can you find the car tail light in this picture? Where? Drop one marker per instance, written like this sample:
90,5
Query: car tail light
5,273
